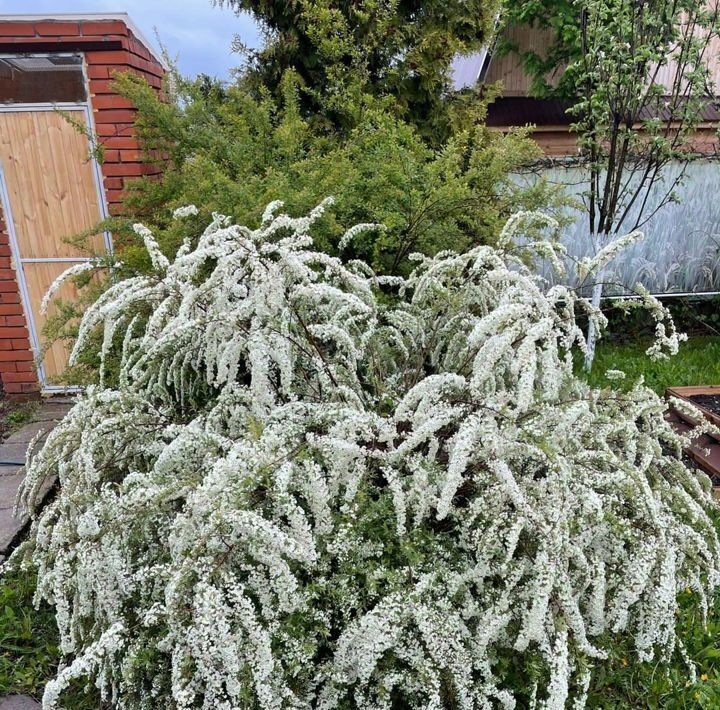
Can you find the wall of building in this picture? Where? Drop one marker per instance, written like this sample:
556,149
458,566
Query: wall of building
17,366
109,47
508,68
561,142
556,141
114,115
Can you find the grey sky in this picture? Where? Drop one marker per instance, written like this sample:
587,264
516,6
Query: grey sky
193,30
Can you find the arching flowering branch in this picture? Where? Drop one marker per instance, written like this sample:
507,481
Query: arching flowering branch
70,272
296,493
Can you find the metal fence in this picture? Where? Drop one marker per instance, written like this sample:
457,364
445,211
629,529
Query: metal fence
681,249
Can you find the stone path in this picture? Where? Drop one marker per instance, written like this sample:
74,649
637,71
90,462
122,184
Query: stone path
12,471
18,702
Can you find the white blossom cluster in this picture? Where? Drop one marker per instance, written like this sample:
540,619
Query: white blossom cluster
185,211
299,490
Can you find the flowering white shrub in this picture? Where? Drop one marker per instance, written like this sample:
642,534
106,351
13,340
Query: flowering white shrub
311,488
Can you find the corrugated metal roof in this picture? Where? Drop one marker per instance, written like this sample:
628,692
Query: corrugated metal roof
466,70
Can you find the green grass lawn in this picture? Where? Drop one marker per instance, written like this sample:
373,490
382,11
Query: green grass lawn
29,652
28,638
697,363
14,415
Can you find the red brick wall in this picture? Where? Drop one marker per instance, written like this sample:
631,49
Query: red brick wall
114,116
17,368
109,47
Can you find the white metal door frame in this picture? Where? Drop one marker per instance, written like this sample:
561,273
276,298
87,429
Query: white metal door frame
20,273
14,245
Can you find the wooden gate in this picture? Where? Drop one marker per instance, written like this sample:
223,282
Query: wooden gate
50,190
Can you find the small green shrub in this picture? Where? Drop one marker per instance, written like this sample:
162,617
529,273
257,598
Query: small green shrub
228,151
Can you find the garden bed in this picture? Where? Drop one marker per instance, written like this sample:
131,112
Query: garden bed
705,450
706,398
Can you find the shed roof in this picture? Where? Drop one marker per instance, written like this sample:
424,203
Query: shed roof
524,110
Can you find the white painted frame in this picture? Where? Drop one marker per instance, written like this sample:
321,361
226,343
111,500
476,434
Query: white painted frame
22,285
86,108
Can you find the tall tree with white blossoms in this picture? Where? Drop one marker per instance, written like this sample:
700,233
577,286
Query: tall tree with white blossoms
306,486
642,83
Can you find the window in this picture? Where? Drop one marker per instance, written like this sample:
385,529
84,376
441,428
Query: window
28,79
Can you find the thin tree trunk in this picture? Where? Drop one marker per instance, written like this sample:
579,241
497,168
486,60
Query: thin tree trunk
592,330
592,334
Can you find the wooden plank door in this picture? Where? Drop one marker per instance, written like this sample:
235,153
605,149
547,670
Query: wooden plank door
51,187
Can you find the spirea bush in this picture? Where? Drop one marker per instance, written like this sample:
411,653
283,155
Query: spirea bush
310,487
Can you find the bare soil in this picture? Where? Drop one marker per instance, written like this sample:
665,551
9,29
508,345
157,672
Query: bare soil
690,462
711,402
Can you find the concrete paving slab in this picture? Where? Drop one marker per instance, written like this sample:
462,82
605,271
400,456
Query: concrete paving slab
52,411
18,702
12,452
8,486
10,525
27,433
